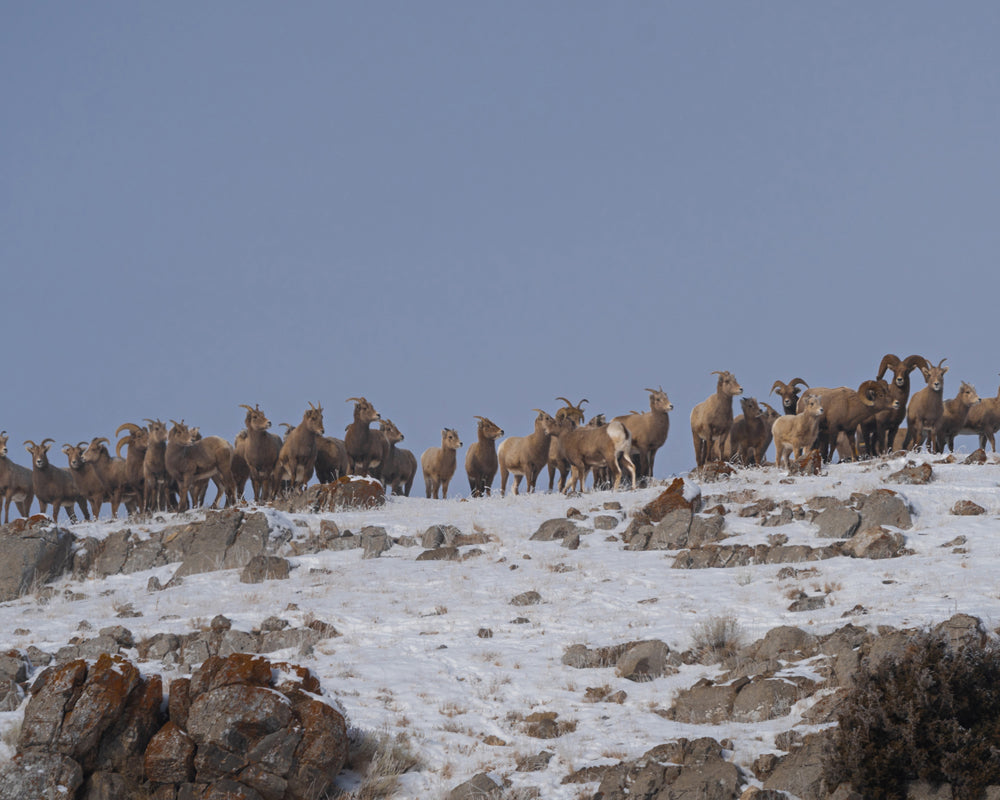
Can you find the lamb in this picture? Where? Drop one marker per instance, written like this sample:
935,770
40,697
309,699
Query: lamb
359,438
879,432
712,418
15,483
481,458
399,467
789,393
297,458
956,412
794,435
984,421
925,409
595,448
557,460
844,409
649,430
438,464
746,435
524,456
113,473
51,484
259,449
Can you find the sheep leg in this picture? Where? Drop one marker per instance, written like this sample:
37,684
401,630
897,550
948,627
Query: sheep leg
444,488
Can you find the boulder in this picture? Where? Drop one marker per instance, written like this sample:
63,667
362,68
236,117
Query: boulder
261,568
554,529
32,557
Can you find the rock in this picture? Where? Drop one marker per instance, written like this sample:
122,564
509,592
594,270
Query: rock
374,541
677,495
261,568
962,630
786,642
40,775
554,529
438,535
32,557
530,598
348,492
914,474
605,522
882,507
765,699
800,773
809,464
875,543
706,703
966,508
837,522
682,769
535,763
439,554
976,457
479,787
169,758
644,661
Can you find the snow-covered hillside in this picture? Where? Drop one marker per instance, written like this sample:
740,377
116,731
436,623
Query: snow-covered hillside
436,650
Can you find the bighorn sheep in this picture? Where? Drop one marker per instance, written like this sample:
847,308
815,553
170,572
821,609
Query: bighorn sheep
524,456
51,484
260,449
879,431
359,438
481,458
844,409
15,483
557,461
137,441
399,467
155,478
712,418
595,448
769,416
331,459
956,412
789,393
984,421
649,430
191,462
747,434
438,464
795,435
88,483
925,409
297,458
113,473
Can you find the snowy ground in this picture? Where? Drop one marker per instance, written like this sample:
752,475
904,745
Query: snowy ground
410,659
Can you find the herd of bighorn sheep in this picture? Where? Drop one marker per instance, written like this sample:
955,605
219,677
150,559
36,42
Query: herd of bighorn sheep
169,468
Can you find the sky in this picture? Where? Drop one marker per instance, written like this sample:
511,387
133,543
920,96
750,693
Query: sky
459,209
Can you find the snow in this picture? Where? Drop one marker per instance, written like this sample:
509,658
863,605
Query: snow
410,659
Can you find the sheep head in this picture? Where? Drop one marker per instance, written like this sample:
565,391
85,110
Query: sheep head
449,439
570,411
255,420
488,429
751,409
727,384
364,412
875,394
935,375
75,454
967,394
789,393
390,431
658,400
3,444
312,419
95,448
812,406
39,452
900,369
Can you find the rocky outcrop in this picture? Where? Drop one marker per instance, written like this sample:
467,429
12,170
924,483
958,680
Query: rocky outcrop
238,727
33,552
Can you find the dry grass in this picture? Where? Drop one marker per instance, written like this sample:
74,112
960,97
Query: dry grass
717,638
380,759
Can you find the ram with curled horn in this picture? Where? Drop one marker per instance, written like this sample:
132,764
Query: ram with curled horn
844,409
879,432
789,394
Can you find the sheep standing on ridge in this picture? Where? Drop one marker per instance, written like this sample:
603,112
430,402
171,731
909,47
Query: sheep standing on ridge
297,458
747,434
15,483
598,448
360,439
879,431
399,467
438,464
984,421
481,462
557,459
956,412
925,409
524,456
649,431
844,409
712,418
794,435
52,485
259,448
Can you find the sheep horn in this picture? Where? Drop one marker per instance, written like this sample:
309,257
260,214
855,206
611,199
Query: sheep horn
889,361
569,403
354,400
868,390
131,427
777,385
82,444
912,362
580,404
100,439
40,444
28,441
244,405
120,445
941,362
794,381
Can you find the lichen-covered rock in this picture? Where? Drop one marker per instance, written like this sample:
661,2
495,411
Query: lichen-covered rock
915,474
966,508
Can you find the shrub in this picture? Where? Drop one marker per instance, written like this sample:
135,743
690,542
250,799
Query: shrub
717,638
931,714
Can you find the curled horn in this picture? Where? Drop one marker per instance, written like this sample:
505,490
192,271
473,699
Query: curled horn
868,390
913,362
777,385
28,441
42,443
131,427
100,439
717,372
794,381
354,400
889,361
82,444
120,445
244,405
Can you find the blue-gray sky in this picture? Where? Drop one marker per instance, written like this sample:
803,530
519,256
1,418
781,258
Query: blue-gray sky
460,208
